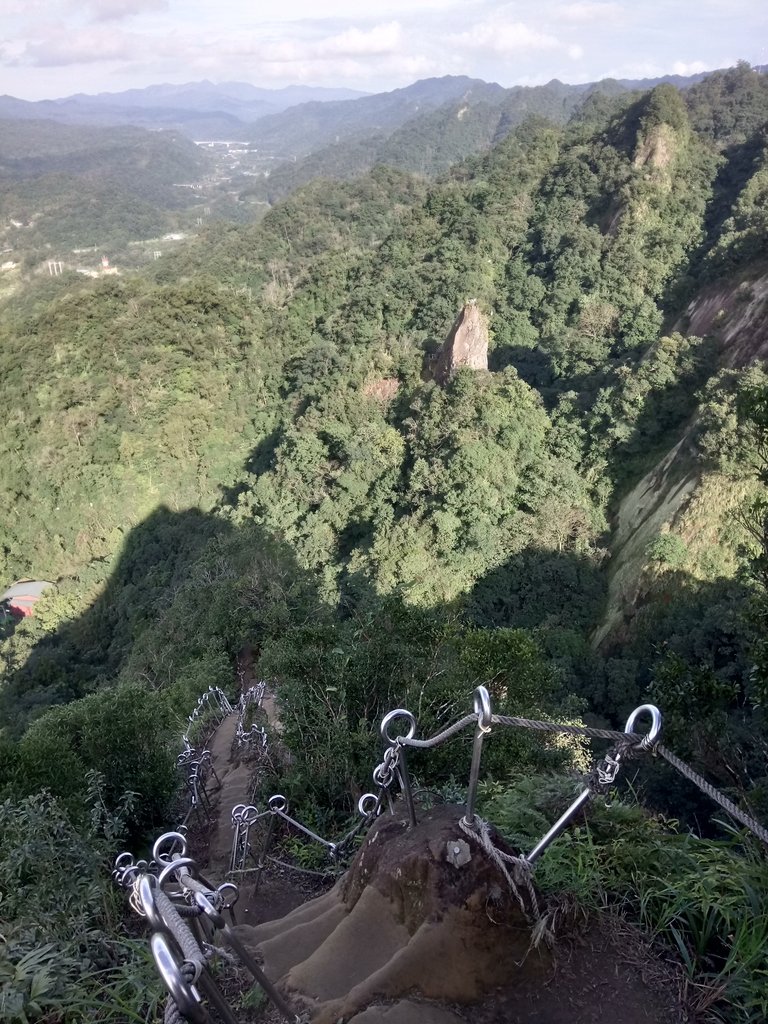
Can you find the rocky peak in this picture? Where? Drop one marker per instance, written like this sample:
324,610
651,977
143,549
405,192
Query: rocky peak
466,344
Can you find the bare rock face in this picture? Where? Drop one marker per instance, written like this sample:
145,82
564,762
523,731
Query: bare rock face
420,914
658,149
466,345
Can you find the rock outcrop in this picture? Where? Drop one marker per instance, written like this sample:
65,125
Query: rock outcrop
409,919
466,345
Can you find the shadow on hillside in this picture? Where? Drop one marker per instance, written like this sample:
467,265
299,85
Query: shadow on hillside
539,588
738,164
85,652
189,590
260,460
532,364
238,581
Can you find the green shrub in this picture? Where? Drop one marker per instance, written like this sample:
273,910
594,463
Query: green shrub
668,550
62,957
124,733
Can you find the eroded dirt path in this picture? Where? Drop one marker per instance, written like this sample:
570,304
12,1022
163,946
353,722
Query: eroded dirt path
235,776
280,890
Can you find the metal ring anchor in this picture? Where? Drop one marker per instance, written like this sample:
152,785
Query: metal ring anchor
245,815
649,741
397,759
278,804
230,887
398,713
146,892
174,838
482,705
368,804
585,796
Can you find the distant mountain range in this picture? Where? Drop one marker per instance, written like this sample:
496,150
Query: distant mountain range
198,109
424,129
295,120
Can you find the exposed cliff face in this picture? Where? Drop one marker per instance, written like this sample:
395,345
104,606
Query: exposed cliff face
466,345
651,506
658,149
735,312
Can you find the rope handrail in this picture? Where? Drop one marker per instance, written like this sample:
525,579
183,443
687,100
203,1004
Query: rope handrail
627,740
571,730
707,788
179,947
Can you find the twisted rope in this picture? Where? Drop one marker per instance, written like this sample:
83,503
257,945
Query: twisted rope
521,870
714,794
440,737
571,730
631,743
173,1014
180,931
301,871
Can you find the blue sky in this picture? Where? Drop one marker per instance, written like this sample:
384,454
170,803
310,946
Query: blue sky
52,48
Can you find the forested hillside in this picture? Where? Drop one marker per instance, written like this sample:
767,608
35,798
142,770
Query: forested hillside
246,447
64,186
418,130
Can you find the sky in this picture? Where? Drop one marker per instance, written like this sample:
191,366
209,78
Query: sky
54,48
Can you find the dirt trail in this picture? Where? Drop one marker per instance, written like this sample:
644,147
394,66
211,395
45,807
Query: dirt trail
234,775
280,891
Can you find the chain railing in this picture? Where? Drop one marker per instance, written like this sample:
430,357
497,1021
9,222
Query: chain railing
199,772
197,765
245,816
214,705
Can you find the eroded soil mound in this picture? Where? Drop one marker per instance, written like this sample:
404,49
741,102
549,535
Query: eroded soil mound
410,916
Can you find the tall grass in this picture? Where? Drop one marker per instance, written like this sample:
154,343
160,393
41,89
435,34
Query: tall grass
707,899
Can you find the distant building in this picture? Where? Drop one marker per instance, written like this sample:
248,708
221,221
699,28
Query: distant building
21,598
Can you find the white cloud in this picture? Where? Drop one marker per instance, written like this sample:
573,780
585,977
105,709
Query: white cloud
381,39
354,43
650,69
395,68
13,8
694,68
635,70
346,52
54,47
88,46
505,38
114,10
